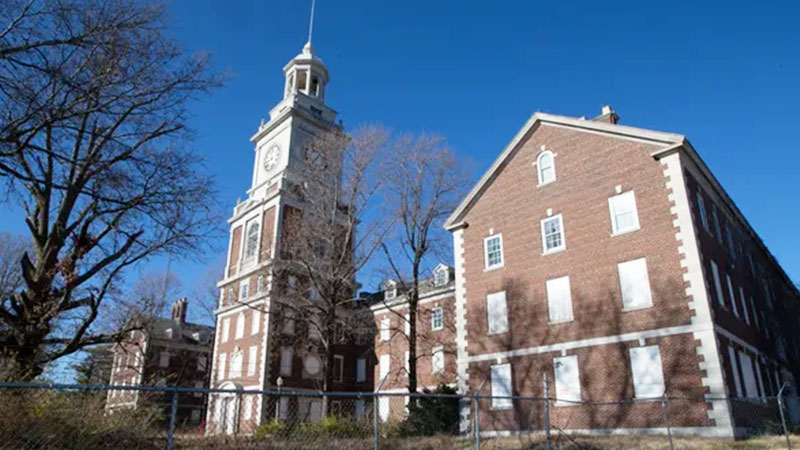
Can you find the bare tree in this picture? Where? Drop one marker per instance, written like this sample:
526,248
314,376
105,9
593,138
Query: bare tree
328,237
424,183
93,127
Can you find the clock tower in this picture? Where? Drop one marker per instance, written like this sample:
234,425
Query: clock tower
246,353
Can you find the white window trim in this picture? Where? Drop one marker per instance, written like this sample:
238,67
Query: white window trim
226,329
502,262
539,168
732,295
612,212
433,318
563,245
385,329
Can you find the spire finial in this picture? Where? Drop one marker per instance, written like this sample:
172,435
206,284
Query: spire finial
311,22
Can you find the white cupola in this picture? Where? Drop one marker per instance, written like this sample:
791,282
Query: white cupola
306,74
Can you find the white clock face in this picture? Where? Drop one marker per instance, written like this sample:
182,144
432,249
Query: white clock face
271,158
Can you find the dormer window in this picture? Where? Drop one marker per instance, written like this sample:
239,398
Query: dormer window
441,276
390,290
546,167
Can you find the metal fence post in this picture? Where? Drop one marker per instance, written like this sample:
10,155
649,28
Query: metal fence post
477,423
547,413
376,421
173,413
783,417
665,406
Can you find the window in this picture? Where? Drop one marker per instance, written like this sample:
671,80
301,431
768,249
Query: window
701,206
251,244
407,323
498,312
360,408
501,386
624,217
744,306
338,368
437,319
361,370
559,300
247,406
568,379
226,329
384,362
735,370
202,363
437,359
260,284
760,380
237,364
244,290
553,234
406,361
440,276
634,284
221,368
386,332
755,313
239,326
255,326
731,243
383,408
287,354
493,248
163,359
252,359
717,228
648,375
288,320
732,296
717,283
230,294
546,167
751,389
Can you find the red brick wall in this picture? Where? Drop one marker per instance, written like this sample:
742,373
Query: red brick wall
427,339
588,168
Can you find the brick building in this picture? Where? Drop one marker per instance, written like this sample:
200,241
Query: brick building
611,259
257,341
436,351
165,352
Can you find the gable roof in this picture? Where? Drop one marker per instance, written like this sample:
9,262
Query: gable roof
580,124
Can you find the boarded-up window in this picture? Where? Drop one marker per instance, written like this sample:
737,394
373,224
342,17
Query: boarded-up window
647,372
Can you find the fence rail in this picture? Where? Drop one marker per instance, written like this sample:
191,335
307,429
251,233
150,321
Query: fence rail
70,416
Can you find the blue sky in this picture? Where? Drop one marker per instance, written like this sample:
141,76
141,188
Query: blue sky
722,73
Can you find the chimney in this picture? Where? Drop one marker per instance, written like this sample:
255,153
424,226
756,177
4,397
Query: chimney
179,311
607,115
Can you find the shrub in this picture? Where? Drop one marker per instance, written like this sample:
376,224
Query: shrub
69,420
428,416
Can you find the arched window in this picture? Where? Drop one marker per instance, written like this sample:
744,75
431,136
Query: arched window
251,244
546,167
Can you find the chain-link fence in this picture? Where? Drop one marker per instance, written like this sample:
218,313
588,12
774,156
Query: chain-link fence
44,417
